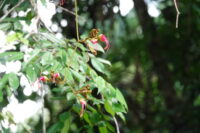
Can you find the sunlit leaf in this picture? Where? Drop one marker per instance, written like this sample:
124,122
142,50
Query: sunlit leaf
13,81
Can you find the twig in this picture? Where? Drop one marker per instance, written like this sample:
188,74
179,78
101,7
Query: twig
70,12
2,3
116,124
76,19
177,13
12,9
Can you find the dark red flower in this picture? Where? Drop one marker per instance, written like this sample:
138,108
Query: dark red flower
103,38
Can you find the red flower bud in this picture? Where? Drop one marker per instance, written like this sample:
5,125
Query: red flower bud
103,38
83,105
43,78
56,75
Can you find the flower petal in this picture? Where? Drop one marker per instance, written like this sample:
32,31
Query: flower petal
103,38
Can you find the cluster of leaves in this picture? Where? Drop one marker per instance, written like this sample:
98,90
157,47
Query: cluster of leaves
78,68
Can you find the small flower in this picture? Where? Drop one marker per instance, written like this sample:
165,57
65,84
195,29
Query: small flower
43,78
103,38
94,41
56,75
83,105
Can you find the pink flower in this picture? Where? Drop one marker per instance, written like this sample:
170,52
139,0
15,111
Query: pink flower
55,76
103,38
83,105
43,78
94,41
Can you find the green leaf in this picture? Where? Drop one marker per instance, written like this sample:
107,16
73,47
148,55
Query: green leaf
78,76
68,75
43,2
121,115
56,127
31,73
13,81
97,46
47,59
103,130
121,99
67,123
117,107
34,57
108,108
64,116
101,84
8,91
97,65
52,38
5,26
104,61
11,56
72,59
1,95
70,96
3,81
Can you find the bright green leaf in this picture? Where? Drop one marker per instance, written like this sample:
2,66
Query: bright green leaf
108,108
11,56
13,81
98,65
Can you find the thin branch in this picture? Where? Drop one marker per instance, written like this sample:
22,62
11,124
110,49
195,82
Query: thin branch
76,11
116,124
177,13
2,3
70,12
12,9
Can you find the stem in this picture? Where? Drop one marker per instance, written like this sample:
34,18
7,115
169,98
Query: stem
76,19
116,124
177,13
70,12
43,116
12,9
77,31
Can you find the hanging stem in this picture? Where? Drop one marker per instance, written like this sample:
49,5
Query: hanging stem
177,13
76,14
77,31
116,124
